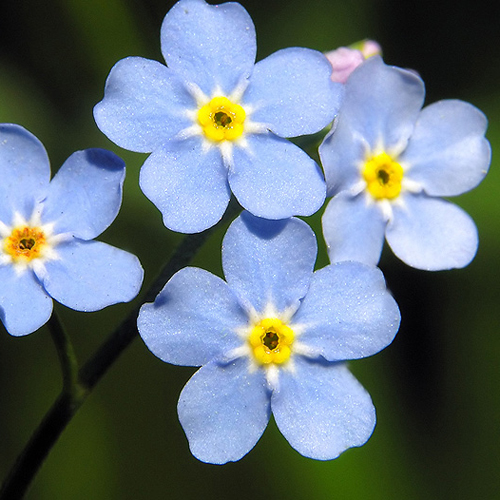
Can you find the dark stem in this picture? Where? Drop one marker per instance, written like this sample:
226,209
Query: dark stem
69,401
66,353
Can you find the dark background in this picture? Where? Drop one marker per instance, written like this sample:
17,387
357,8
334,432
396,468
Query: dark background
436,388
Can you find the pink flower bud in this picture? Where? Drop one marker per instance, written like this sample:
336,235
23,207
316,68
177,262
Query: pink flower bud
345,60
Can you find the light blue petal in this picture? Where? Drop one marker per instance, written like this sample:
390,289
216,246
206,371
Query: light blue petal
292,92
193,320
224,409
24,304
447,152
322,410
274,179
187,185
24,172
347,312
353,228
144,105
209,45
85,195
381,104
432,234
90,275
268,261
341,154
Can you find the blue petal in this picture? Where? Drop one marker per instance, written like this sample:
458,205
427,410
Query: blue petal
188,186
85,195
432,234
341,154
353,228
292,92
269,262
382,103
90,275
322,410
274,179
447,152
24,304
209,45
347,312
224,409
144,105
24,172
193,319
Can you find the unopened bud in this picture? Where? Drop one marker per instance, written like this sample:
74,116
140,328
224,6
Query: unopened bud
345,60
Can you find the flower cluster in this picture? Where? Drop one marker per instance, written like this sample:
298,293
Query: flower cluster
275,335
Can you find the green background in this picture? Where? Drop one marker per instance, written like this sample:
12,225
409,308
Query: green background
436,388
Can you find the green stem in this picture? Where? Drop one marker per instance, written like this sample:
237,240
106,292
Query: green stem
66,353
78,386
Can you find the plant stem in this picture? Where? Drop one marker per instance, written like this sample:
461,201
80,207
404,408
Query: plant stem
77,386
66,353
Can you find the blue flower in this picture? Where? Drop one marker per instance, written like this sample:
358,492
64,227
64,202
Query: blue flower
46,231
215,121
387,162
273,337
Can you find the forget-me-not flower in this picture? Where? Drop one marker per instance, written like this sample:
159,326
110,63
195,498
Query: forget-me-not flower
273,337
387,162
47,229
215,121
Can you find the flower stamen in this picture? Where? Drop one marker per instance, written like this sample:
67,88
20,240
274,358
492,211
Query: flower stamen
270,340
221,119
383,176
25,243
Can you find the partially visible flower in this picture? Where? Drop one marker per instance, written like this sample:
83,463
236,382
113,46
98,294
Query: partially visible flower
387,162
345,60
273,337
47,229
215,121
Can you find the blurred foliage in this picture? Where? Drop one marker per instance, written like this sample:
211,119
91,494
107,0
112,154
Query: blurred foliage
436,388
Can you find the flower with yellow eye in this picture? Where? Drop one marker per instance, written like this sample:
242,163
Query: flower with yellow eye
273,337
216,122
387,162
47,228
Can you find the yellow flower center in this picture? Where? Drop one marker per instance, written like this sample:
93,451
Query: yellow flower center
25,244
270,340
383,176
221,119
